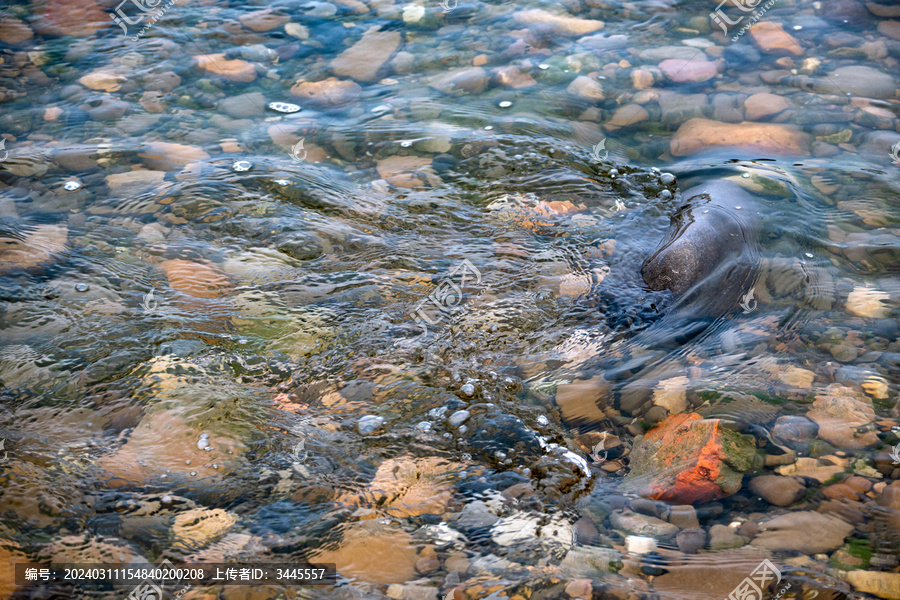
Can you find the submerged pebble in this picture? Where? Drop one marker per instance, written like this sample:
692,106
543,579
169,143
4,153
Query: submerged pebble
369,424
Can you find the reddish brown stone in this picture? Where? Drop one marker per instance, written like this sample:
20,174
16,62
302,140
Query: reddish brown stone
687,459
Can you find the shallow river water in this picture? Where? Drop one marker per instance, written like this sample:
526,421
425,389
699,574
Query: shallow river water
359,283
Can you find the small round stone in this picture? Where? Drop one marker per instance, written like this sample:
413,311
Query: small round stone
667,179
240,166
665,195
71,186
543,421
468,390
458,418
167,499
369,424
283,107
424,426
505,104
82,287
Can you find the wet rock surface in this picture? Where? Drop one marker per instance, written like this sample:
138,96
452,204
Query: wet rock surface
402,327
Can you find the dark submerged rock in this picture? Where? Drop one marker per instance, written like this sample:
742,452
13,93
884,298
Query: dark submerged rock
709,256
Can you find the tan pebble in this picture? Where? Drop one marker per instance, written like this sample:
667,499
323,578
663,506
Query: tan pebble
480,60
641,79
52,113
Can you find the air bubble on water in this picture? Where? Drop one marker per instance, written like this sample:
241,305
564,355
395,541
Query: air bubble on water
242,341
488,127
82,287
798,27
166,499
405,144
745,175
240,166
505,104
808,254
705,211
283,107
282,182
203,444
187,462
543,421
204,436
71,186
500,454
215,466
463,429
737,208
543,66
193,473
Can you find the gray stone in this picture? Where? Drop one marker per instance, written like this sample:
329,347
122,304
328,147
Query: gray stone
858,81
691,541
638,524
243,106
677,108
722,537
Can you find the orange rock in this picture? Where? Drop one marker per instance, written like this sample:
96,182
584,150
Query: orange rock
165,156
364,60
687,459
405,171
9,556
771,38
195,279
559,24
103,81
697,135
70,17
372,552
328,92
512,77
232,70
263,20
762,105
556,207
